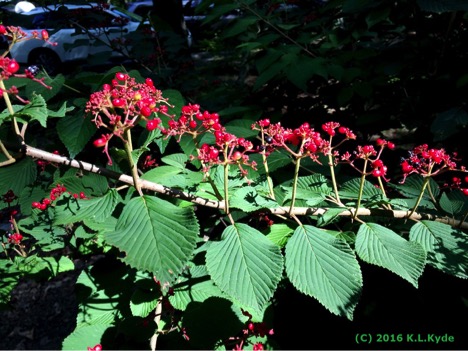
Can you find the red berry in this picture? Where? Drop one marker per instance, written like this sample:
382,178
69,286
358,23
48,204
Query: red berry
152,124
2,29
406,167
214,154
75,196
264,123
13,67
36,204
101,142
390,145
118,102
120,76
236,156
377,164
82,195
146,111
193,124
465,191
149,82
45,34
377,172
466,179
46,202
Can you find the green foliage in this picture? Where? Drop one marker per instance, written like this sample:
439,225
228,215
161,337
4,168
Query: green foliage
325,268
202,248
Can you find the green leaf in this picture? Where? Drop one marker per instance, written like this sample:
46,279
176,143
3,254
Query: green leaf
330,215
239,26
49,237
145,297
31,193
53,266
165,175
75,131
350,189
279,234
247,199
17,175
245,265
156,236
446,247
36,110
84,337
325,268
195,285
70,210
276,160
176,160
381,246
56,83
454,203
10,276
413,186
302,70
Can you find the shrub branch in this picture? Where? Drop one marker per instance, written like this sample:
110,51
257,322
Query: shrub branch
280,210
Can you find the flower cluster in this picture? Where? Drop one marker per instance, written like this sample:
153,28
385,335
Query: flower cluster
121,105
303,141
228,148
371,155
9,67
428,162
253,330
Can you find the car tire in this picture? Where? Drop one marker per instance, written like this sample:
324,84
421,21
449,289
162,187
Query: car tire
46,59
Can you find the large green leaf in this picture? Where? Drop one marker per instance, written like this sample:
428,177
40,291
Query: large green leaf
324,267
17,175
350,189
454,203
71,210
75,131
446,247
413,185
195,285
156,236
247,199
383,247
245,265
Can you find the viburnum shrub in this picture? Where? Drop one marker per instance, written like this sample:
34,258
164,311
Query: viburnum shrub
207,218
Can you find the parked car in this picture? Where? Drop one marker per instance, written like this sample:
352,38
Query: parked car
76,33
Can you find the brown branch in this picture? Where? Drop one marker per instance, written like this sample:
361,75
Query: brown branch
298,211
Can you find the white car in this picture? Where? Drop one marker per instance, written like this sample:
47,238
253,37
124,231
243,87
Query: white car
76,33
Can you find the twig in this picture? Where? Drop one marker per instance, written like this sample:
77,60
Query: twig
298,211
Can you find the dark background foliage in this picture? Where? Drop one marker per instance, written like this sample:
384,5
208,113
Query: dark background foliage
393,69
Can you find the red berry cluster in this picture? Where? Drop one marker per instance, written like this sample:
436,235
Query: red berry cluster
55,193
15,238
371,155
9,67
228,148
122,104
253,330
304,141
428,162
457,183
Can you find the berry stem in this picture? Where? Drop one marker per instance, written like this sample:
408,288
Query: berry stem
332,174
133,166
294,189
226,181
265,164
361,188
421,194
